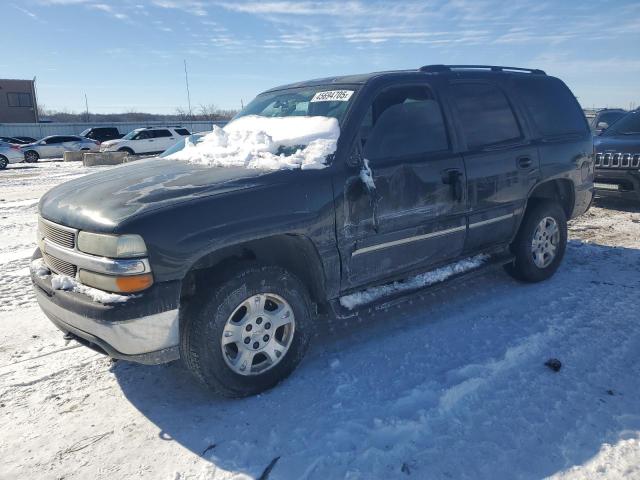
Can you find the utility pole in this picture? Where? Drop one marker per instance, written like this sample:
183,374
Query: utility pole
86,105
186,80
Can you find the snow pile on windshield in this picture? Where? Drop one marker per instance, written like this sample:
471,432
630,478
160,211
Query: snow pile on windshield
270,143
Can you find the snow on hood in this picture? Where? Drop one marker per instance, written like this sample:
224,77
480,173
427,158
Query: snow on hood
257,142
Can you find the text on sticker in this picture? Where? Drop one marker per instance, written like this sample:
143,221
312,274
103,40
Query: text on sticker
332,96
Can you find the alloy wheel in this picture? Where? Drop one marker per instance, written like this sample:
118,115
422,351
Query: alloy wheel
258,334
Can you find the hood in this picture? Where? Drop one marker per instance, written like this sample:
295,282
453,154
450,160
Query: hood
112,142
102,201
617,144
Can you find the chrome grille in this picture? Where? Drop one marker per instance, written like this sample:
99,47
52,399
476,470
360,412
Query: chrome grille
60,266
617,160
59,235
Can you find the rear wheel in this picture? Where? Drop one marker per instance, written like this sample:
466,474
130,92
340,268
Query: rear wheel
31,156
540,244
126,150
249,333
4,161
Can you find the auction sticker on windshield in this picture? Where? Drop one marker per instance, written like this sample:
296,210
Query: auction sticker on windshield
332,96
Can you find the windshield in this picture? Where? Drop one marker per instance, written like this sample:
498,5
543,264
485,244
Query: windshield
324,101
627,125
84,132
130,135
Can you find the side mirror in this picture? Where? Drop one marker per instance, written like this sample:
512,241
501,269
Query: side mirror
602,125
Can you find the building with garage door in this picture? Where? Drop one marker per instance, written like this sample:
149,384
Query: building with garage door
18,101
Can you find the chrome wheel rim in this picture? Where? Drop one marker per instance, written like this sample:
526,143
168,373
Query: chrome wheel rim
258,334
546,239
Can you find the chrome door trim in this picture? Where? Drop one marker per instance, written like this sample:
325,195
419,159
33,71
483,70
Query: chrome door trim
491,220
402,241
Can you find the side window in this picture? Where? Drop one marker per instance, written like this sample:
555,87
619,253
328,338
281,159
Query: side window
182,131
485,115
161,133
552,106
402,122
54,140
143,135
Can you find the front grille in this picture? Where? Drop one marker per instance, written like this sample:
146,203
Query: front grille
58,234
60,266
617,160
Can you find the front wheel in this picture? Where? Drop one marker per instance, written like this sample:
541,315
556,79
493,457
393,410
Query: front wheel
3,162
31,156
248,334
540,244
126,150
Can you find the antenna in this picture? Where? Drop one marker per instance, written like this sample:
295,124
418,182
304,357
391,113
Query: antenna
186,80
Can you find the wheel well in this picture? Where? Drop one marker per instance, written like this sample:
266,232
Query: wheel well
294,253
32,151
126,149
559,190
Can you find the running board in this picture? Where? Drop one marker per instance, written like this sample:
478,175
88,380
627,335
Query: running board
397,298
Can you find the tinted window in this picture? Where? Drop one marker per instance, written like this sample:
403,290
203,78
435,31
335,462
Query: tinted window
401,122
610,117
628,125
53,140
551,104
19,99
161,133
182,131
143,135
485,115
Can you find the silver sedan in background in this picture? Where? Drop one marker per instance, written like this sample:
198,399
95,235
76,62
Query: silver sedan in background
9,153
55,146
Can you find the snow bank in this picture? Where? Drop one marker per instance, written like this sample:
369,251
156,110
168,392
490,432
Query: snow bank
422,280
64,282
257,142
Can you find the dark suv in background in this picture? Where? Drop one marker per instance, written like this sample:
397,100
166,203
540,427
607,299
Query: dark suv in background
101,134
618,159
229,267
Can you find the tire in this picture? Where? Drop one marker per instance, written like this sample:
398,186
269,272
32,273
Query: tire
31,156
126,150
535,262
3,162
209,320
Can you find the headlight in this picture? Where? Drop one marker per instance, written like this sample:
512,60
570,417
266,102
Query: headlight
112,246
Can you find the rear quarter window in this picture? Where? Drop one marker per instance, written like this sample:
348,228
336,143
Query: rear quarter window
182,131
551,105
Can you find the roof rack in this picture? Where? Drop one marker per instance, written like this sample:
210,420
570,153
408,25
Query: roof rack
492,68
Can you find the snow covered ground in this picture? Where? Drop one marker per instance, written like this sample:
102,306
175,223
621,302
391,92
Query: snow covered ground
452,386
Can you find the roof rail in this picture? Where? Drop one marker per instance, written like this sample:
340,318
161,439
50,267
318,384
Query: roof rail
492,68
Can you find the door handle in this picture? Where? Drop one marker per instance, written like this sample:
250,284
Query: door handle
453,178
524,162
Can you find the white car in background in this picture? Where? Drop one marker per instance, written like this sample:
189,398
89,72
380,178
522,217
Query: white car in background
10,153
146,140
54,146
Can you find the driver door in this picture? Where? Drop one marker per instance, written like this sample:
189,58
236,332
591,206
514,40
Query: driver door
52,148
413,214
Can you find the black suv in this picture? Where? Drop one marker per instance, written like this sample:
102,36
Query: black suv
617,170
229,267
101,134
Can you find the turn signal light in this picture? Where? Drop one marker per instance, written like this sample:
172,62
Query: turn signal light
134,283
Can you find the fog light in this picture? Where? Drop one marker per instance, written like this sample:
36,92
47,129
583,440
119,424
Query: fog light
109,283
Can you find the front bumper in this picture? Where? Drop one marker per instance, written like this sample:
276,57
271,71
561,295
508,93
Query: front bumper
622,184
144,329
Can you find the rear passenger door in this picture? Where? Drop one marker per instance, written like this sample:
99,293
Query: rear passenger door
501,162
414,216
163,139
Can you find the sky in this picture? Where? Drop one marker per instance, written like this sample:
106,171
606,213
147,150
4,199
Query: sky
128,55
